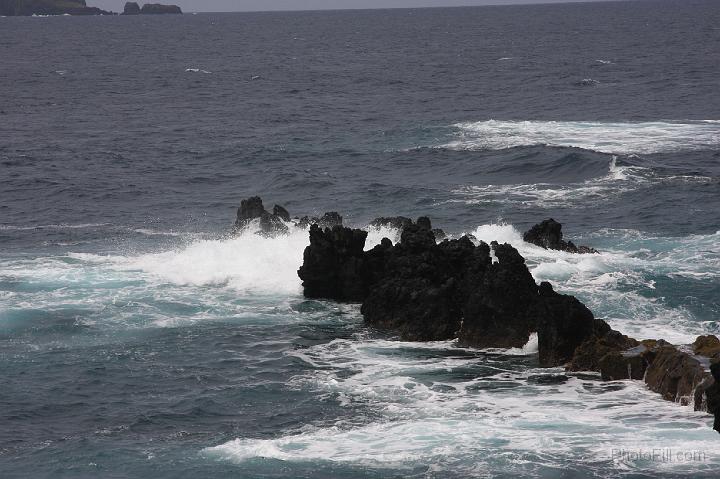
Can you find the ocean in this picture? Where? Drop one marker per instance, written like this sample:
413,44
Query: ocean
139,338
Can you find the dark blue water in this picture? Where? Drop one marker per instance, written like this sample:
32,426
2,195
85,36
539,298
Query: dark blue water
138,340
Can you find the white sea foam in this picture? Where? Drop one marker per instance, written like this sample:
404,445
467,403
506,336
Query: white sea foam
491,417
376,234
61,226
617,137
619,179
247,263
197,70
614,283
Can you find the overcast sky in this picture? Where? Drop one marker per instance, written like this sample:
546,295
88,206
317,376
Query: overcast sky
252,5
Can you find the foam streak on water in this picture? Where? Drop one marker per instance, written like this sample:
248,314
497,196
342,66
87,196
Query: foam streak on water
625,138
470,413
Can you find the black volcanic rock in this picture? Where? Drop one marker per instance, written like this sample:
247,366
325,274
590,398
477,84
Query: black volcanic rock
564,323
330,219
157,8
131,8
48,7
334,265
485,296
548,235
428,291
252,209
712,395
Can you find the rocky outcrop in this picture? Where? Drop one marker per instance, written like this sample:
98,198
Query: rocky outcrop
676,375
679,374
131,8
48,7
548,235
708,346
336,266
483,295
712,395
158,8
400,222
252,209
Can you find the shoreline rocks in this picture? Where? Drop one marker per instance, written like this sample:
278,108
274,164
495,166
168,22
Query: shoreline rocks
484,296
677,373
276,223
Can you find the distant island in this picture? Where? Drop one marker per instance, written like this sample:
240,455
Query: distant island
132,8
11,8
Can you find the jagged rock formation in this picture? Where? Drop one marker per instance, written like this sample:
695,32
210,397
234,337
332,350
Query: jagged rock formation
276,223
48,7
271,224
485,296
400,222
548,235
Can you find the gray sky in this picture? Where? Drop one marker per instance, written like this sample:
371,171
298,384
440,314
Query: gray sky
253,5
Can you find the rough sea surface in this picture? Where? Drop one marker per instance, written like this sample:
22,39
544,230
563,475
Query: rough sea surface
138,339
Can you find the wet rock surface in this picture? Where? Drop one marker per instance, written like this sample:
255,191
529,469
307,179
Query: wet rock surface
484,296
548,234
279,221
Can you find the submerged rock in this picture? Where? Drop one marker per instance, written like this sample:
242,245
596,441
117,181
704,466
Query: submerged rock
548,235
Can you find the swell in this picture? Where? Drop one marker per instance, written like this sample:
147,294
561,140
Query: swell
618,138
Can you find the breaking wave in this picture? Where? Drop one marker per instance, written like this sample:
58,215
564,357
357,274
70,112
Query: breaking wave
620,179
